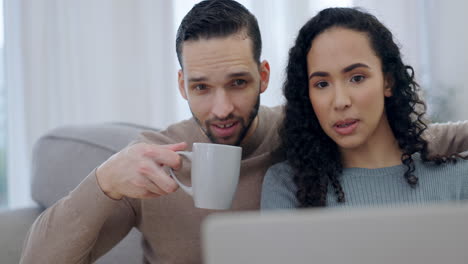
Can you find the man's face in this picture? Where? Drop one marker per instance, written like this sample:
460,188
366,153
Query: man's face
222,83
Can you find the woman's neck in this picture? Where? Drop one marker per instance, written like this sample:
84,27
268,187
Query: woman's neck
379,151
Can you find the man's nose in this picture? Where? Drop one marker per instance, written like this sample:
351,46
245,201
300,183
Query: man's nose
222,105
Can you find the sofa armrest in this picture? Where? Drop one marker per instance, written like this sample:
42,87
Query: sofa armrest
14,225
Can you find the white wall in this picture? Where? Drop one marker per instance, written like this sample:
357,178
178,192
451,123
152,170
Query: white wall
93,61
433,36
448,24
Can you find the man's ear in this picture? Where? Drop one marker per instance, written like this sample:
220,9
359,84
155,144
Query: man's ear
181,81
264,75
388,85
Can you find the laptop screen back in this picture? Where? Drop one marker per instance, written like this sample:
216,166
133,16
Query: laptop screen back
423,235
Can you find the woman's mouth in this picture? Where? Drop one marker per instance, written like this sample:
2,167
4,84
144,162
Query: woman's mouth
346,127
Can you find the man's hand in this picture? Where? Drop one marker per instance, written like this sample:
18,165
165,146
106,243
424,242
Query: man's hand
137,171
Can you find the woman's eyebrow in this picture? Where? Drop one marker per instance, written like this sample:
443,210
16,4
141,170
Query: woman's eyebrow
354,66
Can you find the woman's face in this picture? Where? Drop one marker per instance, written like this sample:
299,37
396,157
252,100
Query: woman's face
347,87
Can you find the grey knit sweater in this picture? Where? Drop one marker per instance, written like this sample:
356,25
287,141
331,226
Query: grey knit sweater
375,187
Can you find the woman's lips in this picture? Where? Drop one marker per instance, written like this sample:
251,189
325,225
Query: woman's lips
346,127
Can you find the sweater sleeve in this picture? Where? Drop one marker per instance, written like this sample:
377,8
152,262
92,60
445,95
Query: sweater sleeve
447,138
464,174
278,189
79,228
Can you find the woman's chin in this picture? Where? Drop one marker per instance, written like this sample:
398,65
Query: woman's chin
348,143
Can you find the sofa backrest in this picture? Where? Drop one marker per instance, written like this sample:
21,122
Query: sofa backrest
63,157
66,155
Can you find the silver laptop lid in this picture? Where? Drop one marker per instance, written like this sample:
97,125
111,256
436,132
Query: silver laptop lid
425,235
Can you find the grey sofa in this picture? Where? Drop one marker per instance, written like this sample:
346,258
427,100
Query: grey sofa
61,159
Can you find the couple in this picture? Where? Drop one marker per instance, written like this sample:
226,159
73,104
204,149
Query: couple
222,76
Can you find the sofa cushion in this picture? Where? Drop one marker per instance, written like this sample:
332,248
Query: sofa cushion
14,224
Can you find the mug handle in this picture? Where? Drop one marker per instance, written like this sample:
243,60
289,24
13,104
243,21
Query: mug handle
187,189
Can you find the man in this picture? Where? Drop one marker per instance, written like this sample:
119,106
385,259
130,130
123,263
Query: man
218,45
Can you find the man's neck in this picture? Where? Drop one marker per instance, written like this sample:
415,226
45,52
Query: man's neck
251,130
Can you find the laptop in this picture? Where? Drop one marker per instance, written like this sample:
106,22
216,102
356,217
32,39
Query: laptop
418,235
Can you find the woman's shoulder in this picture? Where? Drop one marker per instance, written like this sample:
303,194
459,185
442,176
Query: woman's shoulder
278,190
281,167
280,172
458,167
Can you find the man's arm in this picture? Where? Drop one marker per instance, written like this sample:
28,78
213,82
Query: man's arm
447,138
79,228
97,214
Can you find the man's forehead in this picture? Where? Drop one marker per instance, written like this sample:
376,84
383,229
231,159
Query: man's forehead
218,58
202,77
239,45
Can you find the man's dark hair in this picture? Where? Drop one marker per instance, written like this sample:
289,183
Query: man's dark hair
218,18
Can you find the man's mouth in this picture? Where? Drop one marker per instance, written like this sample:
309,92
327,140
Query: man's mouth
225,129
225,125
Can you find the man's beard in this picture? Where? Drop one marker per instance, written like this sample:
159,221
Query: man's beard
244,128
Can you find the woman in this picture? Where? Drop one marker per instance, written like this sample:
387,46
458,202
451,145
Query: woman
353,123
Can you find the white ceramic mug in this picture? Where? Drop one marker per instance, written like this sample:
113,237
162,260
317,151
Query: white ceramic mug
215,174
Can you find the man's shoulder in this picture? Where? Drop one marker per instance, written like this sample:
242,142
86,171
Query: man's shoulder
270,120
274,112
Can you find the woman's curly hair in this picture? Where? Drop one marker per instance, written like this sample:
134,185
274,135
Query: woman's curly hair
314,157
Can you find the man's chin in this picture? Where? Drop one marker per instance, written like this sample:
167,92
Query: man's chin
226,141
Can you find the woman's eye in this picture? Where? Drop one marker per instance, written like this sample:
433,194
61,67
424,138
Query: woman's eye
321,84
239,82
357,78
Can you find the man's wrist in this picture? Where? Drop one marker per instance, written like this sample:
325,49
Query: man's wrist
105,186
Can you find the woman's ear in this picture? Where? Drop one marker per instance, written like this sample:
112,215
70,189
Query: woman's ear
388,85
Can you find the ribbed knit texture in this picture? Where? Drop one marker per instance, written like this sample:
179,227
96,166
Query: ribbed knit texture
375,187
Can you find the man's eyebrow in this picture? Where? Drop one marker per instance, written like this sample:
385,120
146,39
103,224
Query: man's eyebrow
197,79
354,66
231,75
239,74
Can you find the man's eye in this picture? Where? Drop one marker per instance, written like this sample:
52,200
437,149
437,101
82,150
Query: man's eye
321,85
239,82
199,87
357,78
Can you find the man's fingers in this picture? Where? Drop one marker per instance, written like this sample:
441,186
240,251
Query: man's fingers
163,181
165,155
175,147
153,188
146,183
158,180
